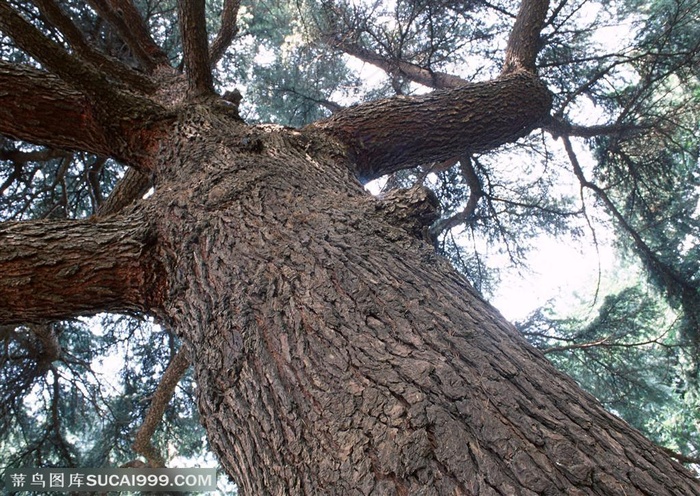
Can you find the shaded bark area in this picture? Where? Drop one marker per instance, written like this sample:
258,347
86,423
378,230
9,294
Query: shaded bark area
193,22
335,354
38,107
524,40
387,135
64,269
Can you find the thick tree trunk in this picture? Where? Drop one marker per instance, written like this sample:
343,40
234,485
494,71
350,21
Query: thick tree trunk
336,354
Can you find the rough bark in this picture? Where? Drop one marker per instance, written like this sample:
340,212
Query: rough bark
229,29
133,186
387,135
338,355
193,24
40,108
63,269
524,40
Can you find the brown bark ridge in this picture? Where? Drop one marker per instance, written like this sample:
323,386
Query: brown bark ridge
193,24
335,354
524,40
40,108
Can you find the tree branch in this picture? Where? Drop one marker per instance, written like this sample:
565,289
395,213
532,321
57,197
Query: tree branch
413,72
53,13
476,192
559,127
50,347
40,108
164,393
130,188
51,55
524,41
672,281
606,342
125,18
18,156
680,456
228,31
114,107
195,47
329,105
58,270
476,117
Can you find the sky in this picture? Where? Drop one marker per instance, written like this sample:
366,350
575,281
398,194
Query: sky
565,273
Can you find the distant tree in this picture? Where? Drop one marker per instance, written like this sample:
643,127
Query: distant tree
333,352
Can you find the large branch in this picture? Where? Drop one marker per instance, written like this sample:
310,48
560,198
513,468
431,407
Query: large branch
125,18
53,13
130,188
63,269
413,72
524,41
195,46
229,29
40,108
118,109
398,133
50,54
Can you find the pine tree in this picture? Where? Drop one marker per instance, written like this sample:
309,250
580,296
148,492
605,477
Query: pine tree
333,351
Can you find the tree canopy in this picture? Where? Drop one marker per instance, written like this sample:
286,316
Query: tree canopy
617,156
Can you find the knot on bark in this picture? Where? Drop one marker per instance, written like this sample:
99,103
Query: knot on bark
228,103
413,210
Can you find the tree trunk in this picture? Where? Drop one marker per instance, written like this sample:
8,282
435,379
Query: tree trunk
334,353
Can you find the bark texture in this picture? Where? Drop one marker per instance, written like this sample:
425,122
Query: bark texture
388,135
41,108
59,270
334,354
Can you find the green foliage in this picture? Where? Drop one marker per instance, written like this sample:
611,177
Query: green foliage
628,355
82,408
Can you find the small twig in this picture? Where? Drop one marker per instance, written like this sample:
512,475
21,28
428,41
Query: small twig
476,192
